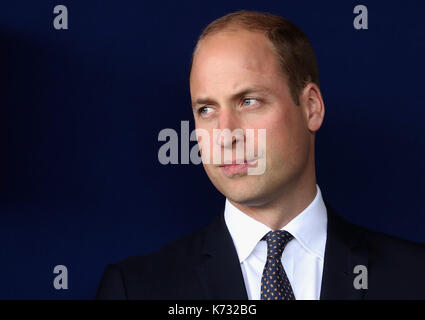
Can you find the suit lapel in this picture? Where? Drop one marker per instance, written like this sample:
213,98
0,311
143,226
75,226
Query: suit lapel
344,250
221,275
220,271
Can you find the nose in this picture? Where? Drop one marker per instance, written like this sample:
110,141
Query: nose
230,132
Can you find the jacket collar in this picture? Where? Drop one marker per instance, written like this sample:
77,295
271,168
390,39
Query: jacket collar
221,275
345,249
220,271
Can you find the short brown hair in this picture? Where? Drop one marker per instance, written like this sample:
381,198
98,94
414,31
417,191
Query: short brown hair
291,45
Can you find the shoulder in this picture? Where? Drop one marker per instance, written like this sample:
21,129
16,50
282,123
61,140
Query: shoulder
379,244
150,275
394,265
179,252
394,250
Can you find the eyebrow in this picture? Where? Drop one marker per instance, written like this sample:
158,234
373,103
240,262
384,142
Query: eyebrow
235,96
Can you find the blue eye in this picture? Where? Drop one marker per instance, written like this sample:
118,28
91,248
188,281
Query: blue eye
249,100
202,110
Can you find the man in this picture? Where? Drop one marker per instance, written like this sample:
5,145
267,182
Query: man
278,238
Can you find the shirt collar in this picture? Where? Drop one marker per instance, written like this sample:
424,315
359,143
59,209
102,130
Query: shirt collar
308,228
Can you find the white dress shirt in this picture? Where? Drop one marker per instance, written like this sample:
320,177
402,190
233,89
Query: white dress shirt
302,257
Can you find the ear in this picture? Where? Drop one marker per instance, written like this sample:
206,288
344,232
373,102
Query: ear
312,106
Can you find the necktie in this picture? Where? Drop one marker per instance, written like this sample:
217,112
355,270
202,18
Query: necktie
274,282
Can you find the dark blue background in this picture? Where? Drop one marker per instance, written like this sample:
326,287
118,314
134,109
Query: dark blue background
81,109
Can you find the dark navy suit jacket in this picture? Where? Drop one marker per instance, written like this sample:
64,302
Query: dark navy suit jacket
204,265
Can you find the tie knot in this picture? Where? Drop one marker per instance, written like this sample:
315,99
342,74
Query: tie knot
276,242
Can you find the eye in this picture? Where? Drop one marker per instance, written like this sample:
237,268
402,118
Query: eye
249,102
204,110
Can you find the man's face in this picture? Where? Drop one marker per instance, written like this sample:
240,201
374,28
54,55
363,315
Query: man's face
236,83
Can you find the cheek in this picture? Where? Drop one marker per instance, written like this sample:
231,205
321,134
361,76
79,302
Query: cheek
285,138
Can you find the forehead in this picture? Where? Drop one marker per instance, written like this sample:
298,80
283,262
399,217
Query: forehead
232,58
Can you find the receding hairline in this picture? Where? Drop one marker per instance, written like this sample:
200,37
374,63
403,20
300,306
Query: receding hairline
287,41
235,27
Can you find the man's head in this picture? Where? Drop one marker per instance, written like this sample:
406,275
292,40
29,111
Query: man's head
257,71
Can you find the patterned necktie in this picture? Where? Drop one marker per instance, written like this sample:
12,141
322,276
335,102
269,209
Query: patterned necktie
274,283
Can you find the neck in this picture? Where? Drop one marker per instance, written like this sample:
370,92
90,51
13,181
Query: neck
290,202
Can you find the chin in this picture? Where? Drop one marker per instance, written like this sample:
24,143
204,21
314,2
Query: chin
243,194
250,201
245,190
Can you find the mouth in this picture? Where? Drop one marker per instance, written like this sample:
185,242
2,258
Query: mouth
237,168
